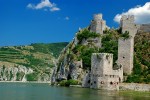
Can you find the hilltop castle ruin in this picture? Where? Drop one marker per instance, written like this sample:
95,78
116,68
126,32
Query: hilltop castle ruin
126,46
102,75
98,25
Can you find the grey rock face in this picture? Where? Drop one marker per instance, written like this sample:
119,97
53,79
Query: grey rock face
45,77
14,73
70,70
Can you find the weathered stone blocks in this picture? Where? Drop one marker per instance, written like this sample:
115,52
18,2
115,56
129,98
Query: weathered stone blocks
127,24
125,54
98,25
102,73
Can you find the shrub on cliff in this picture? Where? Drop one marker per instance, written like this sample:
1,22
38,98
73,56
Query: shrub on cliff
125,35
32,77
69,82
86,57
85,34
110,44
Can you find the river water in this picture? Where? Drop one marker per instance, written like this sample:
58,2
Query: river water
36,91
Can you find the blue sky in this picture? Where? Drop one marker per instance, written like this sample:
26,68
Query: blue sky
45,21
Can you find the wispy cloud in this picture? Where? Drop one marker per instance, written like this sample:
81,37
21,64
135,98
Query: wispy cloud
67,18
54,9
141,13
44,4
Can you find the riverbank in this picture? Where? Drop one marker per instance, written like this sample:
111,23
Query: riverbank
134,87
128,87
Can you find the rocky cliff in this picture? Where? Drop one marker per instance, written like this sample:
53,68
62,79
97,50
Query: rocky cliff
74,60
13,72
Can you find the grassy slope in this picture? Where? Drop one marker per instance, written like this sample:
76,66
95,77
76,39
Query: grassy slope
34,55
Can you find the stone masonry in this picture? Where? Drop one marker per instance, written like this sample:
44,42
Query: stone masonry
125,54
102,76
127,24
126,46
98,25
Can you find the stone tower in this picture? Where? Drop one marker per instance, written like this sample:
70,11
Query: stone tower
125,54
102,73
127,24
126,46
98,25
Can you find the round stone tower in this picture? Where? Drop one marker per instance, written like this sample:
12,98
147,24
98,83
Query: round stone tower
98,25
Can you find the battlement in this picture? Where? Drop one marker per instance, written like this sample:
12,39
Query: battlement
128,17
102,54
127,24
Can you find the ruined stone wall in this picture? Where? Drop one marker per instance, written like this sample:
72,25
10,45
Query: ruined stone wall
101,72
127,24
119,72
144,28
86,80
98,25
125,54
101,63
105,82
135,87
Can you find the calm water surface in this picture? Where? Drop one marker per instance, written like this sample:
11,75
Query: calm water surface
35,91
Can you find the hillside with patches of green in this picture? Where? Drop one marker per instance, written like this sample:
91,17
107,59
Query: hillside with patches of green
38,56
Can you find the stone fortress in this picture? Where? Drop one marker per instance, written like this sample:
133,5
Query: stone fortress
98,25
102,75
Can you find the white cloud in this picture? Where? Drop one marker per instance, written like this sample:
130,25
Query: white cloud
44,4
67,18
54,9
141,13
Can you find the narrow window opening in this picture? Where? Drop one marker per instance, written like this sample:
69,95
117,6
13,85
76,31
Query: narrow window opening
111,83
